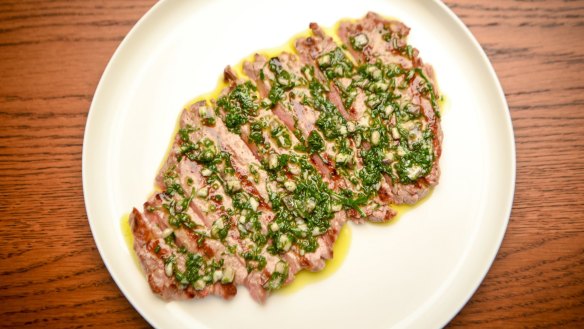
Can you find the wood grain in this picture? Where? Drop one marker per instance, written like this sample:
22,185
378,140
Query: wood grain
52,54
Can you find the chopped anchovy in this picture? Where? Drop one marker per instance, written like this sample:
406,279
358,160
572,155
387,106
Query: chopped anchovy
375,136
316,231
217,275
285,242
394,133
290,186
351,126
360,41
310,205
253,203
203,192
280,267
199,284
168,269
168,231
228,275
324,60
342,158
274,227
233,184
273,161
294,169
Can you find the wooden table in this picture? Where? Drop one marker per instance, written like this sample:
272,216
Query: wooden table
52,54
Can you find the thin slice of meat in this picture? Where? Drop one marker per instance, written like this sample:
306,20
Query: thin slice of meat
375,39
311,261
241,158
302,118
310,49
191,177
151,250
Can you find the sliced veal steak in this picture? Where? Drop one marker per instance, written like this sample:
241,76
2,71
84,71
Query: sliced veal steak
261,179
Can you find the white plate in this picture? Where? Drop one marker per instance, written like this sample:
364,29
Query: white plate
417,273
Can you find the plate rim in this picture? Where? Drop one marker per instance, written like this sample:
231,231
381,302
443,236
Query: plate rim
513,156
477,281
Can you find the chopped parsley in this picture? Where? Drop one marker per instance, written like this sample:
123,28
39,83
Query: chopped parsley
239,105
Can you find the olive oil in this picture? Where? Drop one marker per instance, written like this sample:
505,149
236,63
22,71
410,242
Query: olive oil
128,236
238,67
402,209
340,251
